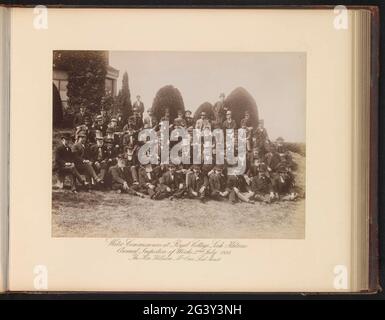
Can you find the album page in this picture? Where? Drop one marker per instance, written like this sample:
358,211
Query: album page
94,208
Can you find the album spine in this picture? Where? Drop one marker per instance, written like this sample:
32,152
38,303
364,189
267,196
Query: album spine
4,142
374,285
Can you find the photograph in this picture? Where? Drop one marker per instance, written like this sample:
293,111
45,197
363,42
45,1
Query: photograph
174,144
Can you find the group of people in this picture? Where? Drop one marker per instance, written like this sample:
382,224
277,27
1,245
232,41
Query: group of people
104,155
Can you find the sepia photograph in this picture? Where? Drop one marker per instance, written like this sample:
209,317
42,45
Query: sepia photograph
158,144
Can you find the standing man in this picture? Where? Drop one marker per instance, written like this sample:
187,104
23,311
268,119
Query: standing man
260,138
138,104
79,117
219,110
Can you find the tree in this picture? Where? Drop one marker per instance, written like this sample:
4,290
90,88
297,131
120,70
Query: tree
167,97
204,107
239,101
57,107
123,102
86,76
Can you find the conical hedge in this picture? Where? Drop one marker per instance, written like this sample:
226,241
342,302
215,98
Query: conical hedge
167,97
239,101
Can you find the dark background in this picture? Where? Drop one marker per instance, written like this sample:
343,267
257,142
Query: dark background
248,299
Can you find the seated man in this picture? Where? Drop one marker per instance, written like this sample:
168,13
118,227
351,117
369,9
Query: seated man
101,157
99,125
283,183
147,179
261,186
121,178
64,163
130,154
168,184
234,187
130,135
136,120
150,120
82,163
197,184
217,183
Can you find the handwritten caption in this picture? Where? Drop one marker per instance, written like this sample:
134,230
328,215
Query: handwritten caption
177,250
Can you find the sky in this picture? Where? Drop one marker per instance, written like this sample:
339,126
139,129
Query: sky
277,81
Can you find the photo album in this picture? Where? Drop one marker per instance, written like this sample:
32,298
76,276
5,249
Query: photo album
189,150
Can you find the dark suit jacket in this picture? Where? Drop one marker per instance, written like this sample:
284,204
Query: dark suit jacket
139,106
144,178
194,183
93,153
119,175
79,152
168,181
62,155
79,119
217,182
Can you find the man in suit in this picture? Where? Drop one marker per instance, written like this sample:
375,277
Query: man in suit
138,104
219,110
261,185
131,156
79,117
136,120
82,163
168,184
197,184
121,178
150,120
203,123
102,157
179,121
229,123
189,119
99,125
64,163
259,136
147,179
217,183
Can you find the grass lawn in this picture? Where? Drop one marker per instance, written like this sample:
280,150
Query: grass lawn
107,214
